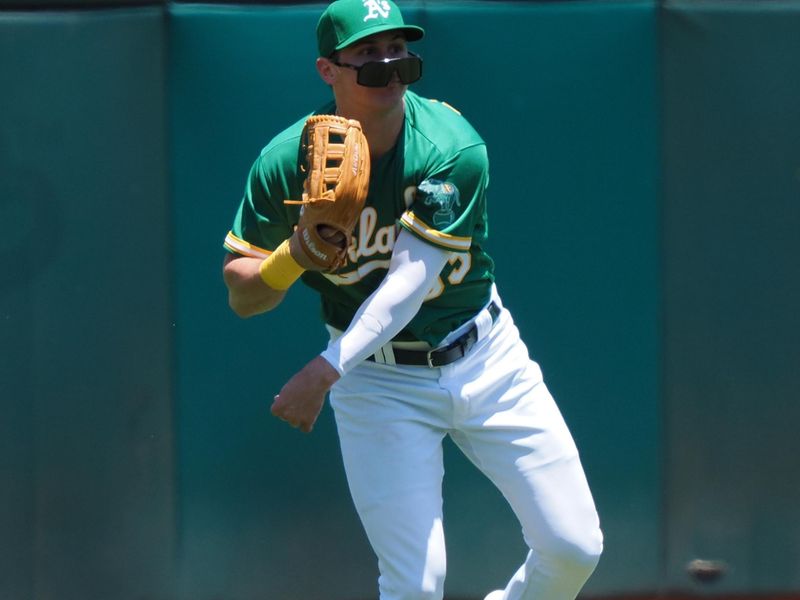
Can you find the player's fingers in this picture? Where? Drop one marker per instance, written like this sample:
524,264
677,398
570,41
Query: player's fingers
308,423
331,234
275,408
284,414
280,411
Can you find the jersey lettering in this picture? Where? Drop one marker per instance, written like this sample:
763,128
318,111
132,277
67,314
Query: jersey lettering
369,240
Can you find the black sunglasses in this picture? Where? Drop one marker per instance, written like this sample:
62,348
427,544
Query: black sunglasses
379,73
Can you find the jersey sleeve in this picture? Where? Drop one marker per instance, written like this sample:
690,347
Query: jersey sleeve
261,222
447,206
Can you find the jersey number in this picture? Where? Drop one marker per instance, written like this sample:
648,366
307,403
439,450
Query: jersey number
461,263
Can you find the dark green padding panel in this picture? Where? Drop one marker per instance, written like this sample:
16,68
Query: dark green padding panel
86,444
732,290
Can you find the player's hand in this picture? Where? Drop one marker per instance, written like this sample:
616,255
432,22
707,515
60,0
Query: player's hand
300,400
329,234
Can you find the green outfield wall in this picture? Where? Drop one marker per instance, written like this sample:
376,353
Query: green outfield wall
645,210
87,469
731,281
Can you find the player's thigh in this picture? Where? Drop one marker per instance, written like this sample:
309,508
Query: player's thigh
390,460
392,452
528,452
391,423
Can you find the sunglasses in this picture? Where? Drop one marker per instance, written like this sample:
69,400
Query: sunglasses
379,73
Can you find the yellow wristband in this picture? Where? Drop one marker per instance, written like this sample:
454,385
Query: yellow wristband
279,270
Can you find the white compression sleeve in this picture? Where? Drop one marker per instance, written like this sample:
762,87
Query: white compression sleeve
413,269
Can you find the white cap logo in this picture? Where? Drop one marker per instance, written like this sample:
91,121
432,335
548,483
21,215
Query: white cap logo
376,8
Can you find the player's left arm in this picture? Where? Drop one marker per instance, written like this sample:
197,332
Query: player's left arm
412,272
413,269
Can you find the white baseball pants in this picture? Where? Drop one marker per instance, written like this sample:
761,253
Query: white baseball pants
493,403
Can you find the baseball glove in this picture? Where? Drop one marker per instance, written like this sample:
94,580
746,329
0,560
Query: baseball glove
337,181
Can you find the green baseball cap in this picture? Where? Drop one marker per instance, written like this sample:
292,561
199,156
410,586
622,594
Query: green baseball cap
345,22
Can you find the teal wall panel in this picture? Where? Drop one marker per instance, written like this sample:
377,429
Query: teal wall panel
732,288
86,469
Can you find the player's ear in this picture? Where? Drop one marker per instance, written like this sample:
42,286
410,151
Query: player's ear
327,70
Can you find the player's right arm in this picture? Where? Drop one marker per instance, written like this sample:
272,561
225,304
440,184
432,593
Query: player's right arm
260,227
248,295
249,289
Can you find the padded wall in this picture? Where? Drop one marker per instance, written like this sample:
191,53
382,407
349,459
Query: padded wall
732,290
86,438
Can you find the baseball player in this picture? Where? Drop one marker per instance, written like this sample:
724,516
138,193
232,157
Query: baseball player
420,344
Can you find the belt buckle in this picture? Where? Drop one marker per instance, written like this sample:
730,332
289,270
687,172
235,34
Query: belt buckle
428,355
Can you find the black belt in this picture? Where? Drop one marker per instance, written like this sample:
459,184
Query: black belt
438,357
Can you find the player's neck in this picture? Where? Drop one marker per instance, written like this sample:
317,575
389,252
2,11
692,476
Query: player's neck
381,127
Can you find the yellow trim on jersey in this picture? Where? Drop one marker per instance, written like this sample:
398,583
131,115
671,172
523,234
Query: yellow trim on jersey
443,103
238,245
358,274
418,226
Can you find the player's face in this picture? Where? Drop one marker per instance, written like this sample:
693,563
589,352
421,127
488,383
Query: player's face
388,44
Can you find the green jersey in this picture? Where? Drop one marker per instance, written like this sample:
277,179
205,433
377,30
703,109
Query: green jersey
432,183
